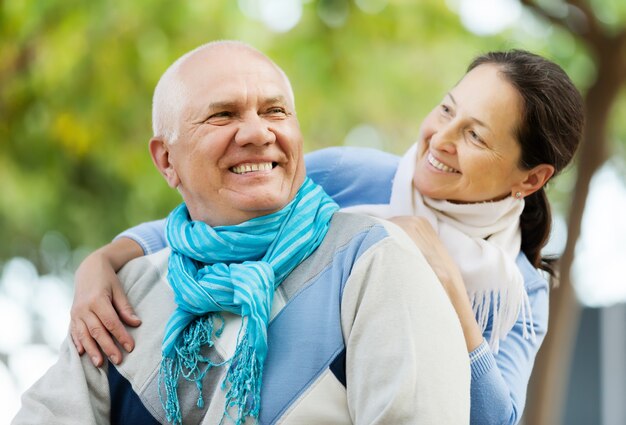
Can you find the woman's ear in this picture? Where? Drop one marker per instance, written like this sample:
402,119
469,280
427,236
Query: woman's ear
160,152
535,179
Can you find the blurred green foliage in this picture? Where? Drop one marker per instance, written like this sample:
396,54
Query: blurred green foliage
76,79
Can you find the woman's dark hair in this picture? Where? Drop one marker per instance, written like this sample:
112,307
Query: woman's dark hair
549,132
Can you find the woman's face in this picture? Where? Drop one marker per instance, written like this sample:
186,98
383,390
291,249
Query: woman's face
467,148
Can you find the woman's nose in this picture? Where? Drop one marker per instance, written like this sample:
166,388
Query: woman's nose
445,138
253,129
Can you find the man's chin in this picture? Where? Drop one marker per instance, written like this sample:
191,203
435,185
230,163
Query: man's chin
262,205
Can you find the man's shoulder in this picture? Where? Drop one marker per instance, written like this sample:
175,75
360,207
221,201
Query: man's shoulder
361,229
157,261
145,271
357,230
349,237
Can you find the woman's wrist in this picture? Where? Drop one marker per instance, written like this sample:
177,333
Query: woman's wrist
461,303
118,253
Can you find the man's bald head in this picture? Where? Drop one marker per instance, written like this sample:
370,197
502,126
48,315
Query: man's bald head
172,92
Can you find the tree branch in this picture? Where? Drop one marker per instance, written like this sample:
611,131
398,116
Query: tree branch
592,20
595,33
620,40
590,29
545,14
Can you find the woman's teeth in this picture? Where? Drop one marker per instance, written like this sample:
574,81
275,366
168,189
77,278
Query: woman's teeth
438,165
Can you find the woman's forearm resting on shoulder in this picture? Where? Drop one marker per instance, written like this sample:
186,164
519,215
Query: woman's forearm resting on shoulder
100,307
499,381
423,235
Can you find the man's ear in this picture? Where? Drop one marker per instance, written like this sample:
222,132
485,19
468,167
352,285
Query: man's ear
160,152
535,179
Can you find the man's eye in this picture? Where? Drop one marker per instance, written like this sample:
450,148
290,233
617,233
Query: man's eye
276,111
219,117
221,114
445,109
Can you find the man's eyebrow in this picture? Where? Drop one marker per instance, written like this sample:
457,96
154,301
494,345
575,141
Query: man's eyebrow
476,120
222,105
226,104
275,99
451,97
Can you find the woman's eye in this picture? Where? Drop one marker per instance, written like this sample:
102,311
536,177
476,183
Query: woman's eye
476,138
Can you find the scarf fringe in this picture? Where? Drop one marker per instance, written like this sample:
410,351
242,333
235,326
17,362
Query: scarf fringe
234,269
188,362
243,381
496,304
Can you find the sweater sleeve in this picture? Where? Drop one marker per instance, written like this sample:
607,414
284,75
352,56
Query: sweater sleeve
500,381
71,392
150,236
353,176
406,359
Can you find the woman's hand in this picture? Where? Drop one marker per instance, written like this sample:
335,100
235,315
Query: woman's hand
428,242
100,303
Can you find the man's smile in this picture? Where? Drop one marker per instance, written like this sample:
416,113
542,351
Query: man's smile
252,166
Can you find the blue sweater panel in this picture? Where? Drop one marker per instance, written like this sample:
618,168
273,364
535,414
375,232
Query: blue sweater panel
309,324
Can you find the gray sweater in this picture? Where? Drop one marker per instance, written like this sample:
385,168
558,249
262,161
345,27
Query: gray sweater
361,332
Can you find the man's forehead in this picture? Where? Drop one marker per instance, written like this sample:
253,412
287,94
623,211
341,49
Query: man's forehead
227,60
231,69
230,74
235,94
234,89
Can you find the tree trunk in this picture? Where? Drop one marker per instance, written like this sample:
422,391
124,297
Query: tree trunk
548,387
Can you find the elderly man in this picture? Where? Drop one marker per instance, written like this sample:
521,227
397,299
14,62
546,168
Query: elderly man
268,306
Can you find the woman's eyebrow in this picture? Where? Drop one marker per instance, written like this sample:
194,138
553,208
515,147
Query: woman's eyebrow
476,120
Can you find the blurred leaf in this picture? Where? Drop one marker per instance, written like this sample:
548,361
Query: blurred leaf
77,79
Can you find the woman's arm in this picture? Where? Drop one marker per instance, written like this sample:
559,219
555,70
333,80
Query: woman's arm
100,305
500,381
350,175
423,235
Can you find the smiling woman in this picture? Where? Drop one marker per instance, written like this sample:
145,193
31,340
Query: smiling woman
468,144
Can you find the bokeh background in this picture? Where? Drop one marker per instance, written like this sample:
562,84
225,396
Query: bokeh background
76,79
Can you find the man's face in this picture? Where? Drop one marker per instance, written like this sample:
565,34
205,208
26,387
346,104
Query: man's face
239,153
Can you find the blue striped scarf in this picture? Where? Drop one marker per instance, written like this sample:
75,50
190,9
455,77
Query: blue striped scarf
233,269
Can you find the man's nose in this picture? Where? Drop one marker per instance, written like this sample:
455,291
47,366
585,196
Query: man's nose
255,130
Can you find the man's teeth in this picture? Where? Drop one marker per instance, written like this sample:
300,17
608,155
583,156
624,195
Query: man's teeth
248,168
438,165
